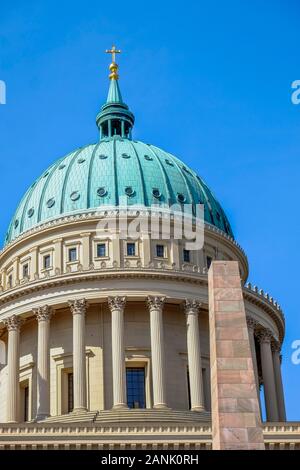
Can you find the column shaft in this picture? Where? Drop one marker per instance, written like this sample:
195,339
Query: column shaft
43,315
13,361
78,308
194,355
117,305
278,384
252,324
157,351
268,376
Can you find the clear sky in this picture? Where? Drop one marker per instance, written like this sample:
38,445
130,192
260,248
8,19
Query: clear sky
207,81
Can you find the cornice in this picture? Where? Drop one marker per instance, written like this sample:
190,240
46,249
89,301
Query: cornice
253,296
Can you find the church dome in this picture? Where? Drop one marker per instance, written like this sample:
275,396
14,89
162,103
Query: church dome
117,167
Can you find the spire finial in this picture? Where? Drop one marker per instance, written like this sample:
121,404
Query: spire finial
113,66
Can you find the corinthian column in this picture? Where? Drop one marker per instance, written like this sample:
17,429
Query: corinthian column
265,338
13,324
194,354
155,305
252,324
278,381
116,306
43,315
78,309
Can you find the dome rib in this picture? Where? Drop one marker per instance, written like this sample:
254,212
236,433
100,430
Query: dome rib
115,177
89,180
41,202
63,192
165,175
145,197
184,179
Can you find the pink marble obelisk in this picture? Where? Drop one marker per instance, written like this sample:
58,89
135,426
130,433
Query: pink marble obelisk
235,410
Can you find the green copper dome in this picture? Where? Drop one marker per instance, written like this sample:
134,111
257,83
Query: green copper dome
117,167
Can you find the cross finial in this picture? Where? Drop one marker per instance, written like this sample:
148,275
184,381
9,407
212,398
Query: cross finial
113,51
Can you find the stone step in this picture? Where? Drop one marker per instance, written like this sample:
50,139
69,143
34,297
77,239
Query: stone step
131,416
152,416
80,417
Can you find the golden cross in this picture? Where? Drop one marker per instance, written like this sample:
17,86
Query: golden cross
113,51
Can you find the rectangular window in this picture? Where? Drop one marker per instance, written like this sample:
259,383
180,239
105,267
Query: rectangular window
25,270
47,261
208,261
186,256
72,254
70,392
130,249
188,388
101,250
160,251
26,403
10,281
135,383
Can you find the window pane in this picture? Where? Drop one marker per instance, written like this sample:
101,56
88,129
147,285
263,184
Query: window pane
72,254
25,270
208,261
135,380
160,251
70,392
186,256
101,250
130,249
47,260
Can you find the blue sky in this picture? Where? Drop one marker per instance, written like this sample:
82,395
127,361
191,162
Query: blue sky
207,81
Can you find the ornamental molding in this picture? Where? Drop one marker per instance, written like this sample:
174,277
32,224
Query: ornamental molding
265,336
116,303
155,302
43,313
251,323
111,211
78,306
40,285
192,306
13,323
275,346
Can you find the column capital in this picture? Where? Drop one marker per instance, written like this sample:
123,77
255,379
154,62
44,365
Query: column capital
155,303
78,306
13,323
251,323
192,306
275,346
265,336
43,313
116,303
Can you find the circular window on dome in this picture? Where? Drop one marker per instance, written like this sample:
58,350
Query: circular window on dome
81,160
30,212
46,174
102,156
147,157
125,155
62,166
75,196
180,198
129,191
101,192
168,162
156,193
16,224
50,203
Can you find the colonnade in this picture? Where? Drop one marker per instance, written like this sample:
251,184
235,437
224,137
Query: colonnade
116,305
